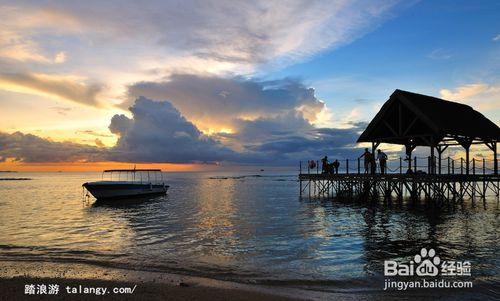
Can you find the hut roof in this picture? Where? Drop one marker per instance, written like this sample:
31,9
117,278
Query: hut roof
411,118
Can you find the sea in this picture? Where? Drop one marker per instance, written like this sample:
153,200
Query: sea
241,226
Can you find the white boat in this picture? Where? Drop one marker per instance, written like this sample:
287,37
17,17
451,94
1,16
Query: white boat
128,183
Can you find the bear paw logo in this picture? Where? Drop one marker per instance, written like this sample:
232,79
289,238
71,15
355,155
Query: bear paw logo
427,262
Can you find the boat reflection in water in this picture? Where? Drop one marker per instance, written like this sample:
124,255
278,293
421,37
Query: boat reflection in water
128,183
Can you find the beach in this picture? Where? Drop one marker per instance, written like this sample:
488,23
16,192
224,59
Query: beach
87,282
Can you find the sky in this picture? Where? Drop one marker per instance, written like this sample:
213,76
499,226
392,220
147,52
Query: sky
205,84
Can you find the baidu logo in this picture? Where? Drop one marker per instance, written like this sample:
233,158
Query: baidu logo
427,264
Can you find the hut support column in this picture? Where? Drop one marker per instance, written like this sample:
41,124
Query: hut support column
409,150
465,143
441,149
493,147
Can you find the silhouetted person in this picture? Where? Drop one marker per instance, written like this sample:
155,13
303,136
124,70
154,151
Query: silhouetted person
382,159
312,164
336,165
324,164
367,160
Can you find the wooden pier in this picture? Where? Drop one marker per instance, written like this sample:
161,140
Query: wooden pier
414,120
438,187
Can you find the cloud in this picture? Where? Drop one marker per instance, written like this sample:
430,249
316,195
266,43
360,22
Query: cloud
60,57
137,42
439,54
165,37
99,143
216,102
61,110
157,132
14,46
290,136
496,38
62,87
229,31
93,133
481,96
30,148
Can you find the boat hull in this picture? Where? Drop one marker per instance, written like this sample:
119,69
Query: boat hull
116,190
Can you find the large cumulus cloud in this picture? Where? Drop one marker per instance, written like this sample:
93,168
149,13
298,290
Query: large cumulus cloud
157,132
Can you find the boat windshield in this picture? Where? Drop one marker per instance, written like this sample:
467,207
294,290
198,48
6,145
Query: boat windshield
134,175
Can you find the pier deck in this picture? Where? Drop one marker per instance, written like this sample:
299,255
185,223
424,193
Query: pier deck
441,187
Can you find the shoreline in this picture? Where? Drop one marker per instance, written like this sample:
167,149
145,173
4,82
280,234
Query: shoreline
14,275
147,285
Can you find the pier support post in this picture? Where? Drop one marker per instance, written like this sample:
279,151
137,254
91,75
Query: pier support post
467,161
495,162
432,162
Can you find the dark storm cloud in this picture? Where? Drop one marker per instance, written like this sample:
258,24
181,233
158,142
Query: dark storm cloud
30,148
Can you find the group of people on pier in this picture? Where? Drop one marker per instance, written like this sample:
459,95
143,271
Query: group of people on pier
370,163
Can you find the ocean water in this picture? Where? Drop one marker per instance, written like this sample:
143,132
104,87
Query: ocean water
240,227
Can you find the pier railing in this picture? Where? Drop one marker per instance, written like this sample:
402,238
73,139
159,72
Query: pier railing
423,165
448,179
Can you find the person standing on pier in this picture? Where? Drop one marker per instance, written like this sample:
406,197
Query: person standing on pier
367,160
324,164
336,165
382,159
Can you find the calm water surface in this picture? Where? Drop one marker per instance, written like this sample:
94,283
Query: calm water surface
251,229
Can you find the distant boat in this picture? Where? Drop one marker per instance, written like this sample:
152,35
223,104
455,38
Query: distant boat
128,183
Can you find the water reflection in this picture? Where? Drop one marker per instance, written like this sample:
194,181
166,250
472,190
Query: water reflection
243,228
457,232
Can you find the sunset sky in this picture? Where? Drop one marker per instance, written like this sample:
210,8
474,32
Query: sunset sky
214,83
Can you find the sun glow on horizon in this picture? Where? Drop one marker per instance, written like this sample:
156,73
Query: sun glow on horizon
9,165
